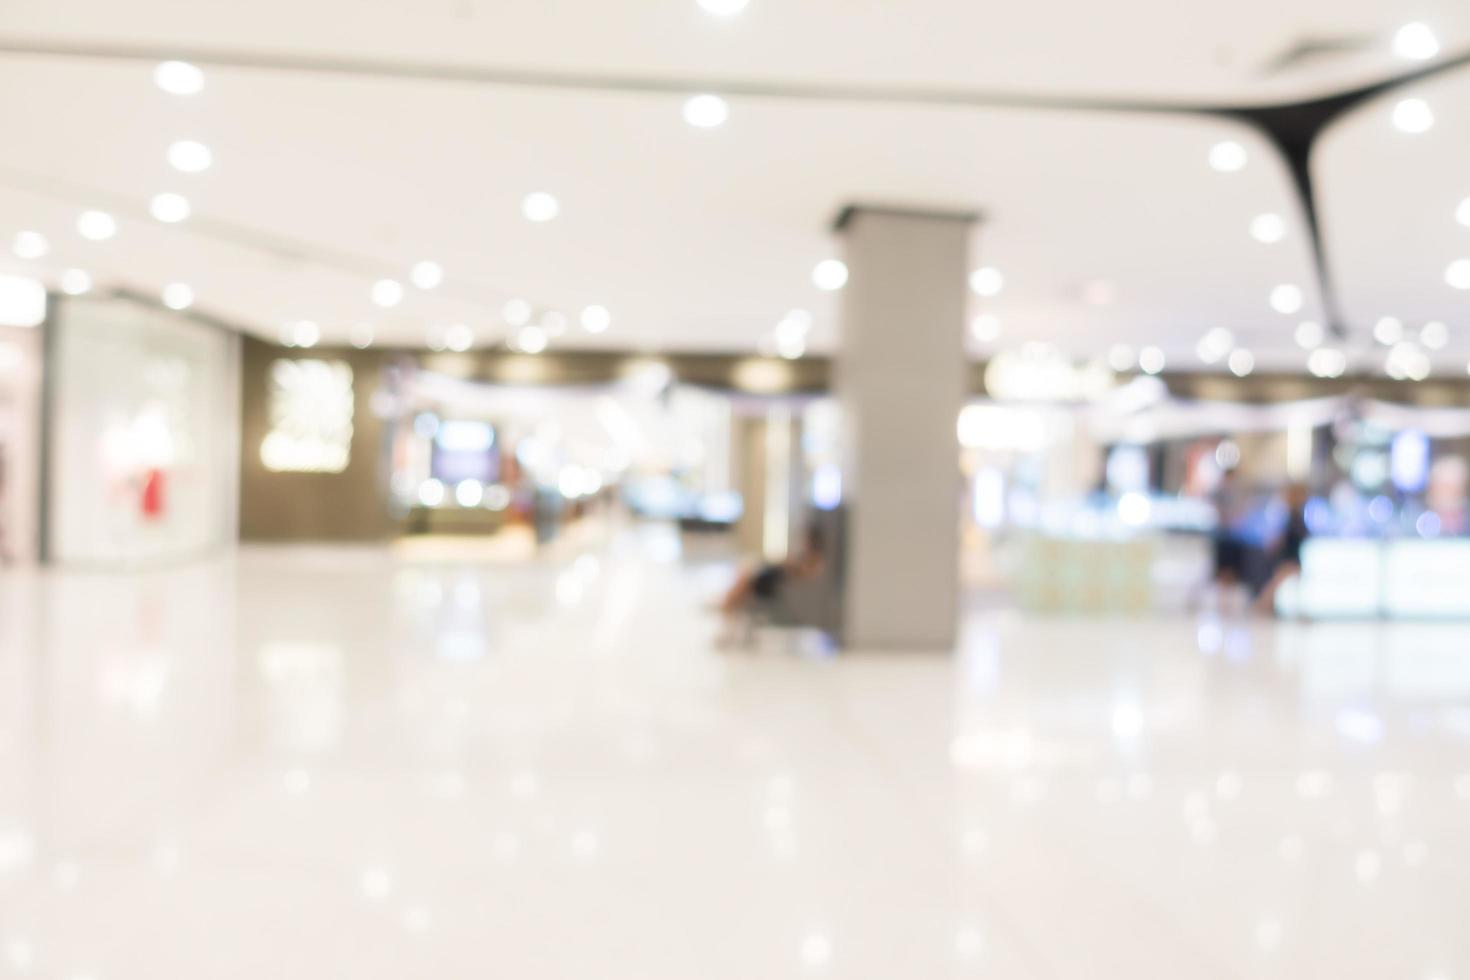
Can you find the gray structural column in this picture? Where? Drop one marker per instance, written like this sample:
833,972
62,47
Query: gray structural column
900,380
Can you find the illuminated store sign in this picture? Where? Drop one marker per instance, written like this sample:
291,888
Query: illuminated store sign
310,410
1037,372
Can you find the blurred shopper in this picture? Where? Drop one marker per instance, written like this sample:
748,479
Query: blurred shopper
1227,547
760,589
1287,557
546,507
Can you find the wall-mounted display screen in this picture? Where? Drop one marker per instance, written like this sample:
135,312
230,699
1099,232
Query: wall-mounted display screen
465,450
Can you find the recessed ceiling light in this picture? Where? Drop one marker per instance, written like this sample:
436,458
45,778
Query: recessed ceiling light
387,293
1457,275
1416,42
792,329
96,226
985,328
1413,116
75,282
830,275
1287,299
706,111
1434,335
724,8
1221,337
596,319
306,333
1407,362
1151,360
362,336
1228,157
1242,362
790,346
516,312
179,78
1121,357
178,296
427,274
531,340
30,245
1309,334
1327,362
190,156
459,337
1215,344
1268,229
1388,331
540,206
22,304
169,208
987,281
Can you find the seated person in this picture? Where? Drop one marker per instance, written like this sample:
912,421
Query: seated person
763,585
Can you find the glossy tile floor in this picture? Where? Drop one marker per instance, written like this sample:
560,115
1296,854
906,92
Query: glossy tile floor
314,763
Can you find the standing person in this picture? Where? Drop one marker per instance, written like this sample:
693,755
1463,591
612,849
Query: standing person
1287,561
1227,550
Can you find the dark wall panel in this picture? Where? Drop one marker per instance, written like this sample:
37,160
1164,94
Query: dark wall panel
347,506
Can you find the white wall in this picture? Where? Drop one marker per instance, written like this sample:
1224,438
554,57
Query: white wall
140,396
20,451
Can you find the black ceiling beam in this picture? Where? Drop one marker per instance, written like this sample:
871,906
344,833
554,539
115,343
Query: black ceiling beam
1294,129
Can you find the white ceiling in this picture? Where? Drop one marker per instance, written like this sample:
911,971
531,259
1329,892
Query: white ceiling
703,239
1157,48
